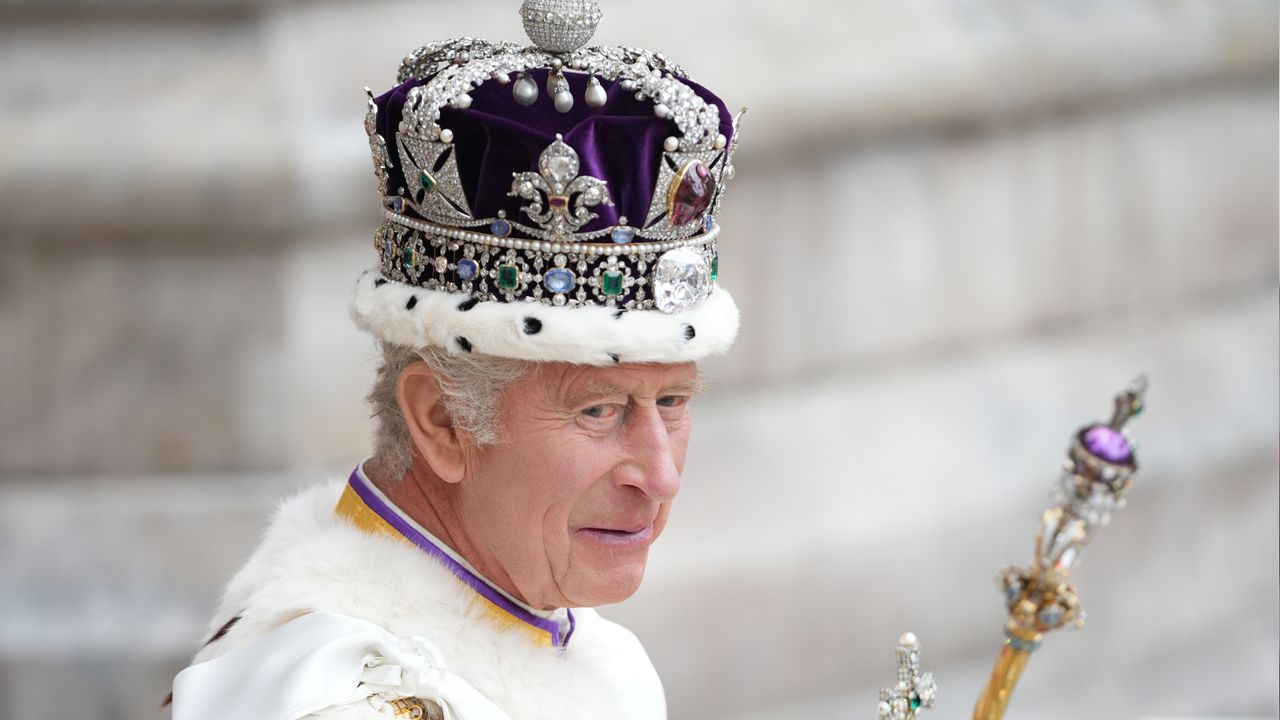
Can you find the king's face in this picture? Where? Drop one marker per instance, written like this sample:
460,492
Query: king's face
582,482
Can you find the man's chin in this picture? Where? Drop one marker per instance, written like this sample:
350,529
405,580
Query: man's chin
609,585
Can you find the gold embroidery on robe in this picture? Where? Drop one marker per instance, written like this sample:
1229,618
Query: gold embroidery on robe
415,709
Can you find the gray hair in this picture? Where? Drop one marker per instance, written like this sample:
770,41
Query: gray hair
471,385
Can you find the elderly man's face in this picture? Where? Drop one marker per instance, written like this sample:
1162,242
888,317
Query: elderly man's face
569,501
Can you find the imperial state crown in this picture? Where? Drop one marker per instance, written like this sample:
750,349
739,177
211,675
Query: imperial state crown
554,202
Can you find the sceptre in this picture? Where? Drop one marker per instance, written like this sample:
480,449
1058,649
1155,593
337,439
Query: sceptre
1096,476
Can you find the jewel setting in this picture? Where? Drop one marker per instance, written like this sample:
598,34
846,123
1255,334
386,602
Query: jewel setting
681,280
1108,444
558,196
690,194
914,691
668,276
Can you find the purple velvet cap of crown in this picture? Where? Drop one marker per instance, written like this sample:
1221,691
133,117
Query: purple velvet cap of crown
620,143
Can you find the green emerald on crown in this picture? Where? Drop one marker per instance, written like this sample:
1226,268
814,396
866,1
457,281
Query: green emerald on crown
611,282
508,277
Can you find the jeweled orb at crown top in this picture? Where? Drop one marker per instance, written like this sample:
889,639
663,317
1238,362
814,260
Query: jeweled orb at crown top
560,25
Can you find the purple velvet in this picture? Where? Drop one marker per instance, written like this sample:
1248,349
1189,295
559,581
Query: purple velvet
620,143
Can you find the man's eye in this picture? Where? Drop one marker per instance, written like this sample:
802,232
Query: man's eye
596,411
672,400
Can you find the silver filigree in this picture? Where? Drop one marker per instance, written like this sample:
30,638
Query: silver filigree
455,68
558,196
727,170
431,178
377,146
434,57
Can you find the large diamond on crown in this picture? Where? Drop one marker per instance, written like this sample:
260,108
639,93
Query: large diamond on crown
681,279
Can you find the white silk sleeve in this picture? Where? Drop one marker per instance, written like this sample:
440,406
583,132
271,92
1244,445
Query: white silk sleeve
327,666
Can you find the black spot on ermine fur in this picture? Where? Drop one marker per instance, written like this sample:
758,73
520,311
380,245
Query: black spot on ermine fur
222,631
468,304
379,282
614,357
464,343
413,302
532,326
689,332
618,315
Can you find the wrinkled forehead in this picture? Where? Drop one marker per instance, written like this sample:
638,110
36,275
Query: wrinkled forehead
567,383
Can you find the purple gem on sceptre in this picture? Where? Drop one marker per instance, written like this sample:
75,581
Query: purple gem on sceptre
1108,444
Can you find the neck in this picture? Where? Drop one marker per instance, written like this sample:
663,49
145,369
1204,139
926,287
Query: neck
431,502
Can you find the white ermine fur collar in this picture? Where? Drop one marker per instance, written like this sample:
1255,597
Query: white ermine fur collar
312,560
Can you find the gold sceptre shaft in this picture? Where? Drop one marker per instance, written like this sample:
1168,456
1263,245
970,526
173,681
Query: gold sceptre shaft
1004,676
1100,464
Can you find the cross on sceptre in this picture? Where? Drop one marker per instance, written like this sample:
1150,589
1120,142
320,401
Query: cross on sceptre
914,691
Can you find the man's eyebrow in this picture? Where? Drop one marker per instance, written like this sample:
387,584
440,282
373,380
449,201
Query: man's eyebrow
694,386
604,388
595,389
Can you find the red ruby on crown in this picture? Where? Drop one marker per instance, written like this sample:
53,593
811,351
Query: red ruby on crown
691,193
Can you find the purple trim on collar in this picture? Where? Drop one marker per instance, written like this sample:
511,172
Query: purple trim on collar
393,519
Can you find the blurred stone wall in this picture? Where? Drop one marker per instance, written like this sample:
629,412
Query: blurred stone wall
957,229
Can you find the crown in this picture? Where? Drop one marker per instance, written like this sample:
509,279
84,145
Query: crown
560,175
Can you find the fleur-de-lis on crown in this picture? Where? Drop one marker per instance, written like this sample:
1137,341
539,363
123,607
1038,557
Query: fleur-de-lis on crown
558,197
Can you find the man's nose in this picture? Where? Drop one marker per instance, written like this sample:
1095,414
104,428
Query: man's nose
654,467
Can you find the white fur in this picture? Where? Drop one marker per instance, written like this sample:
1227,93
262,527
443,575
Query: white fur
580,335
313,560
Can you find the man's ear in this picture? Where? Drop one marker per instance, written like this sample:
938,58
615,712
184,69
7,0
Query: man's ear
430,427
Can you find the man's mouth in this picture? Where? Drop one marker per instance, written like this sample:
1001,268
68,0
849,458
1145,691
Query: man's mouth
619,537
